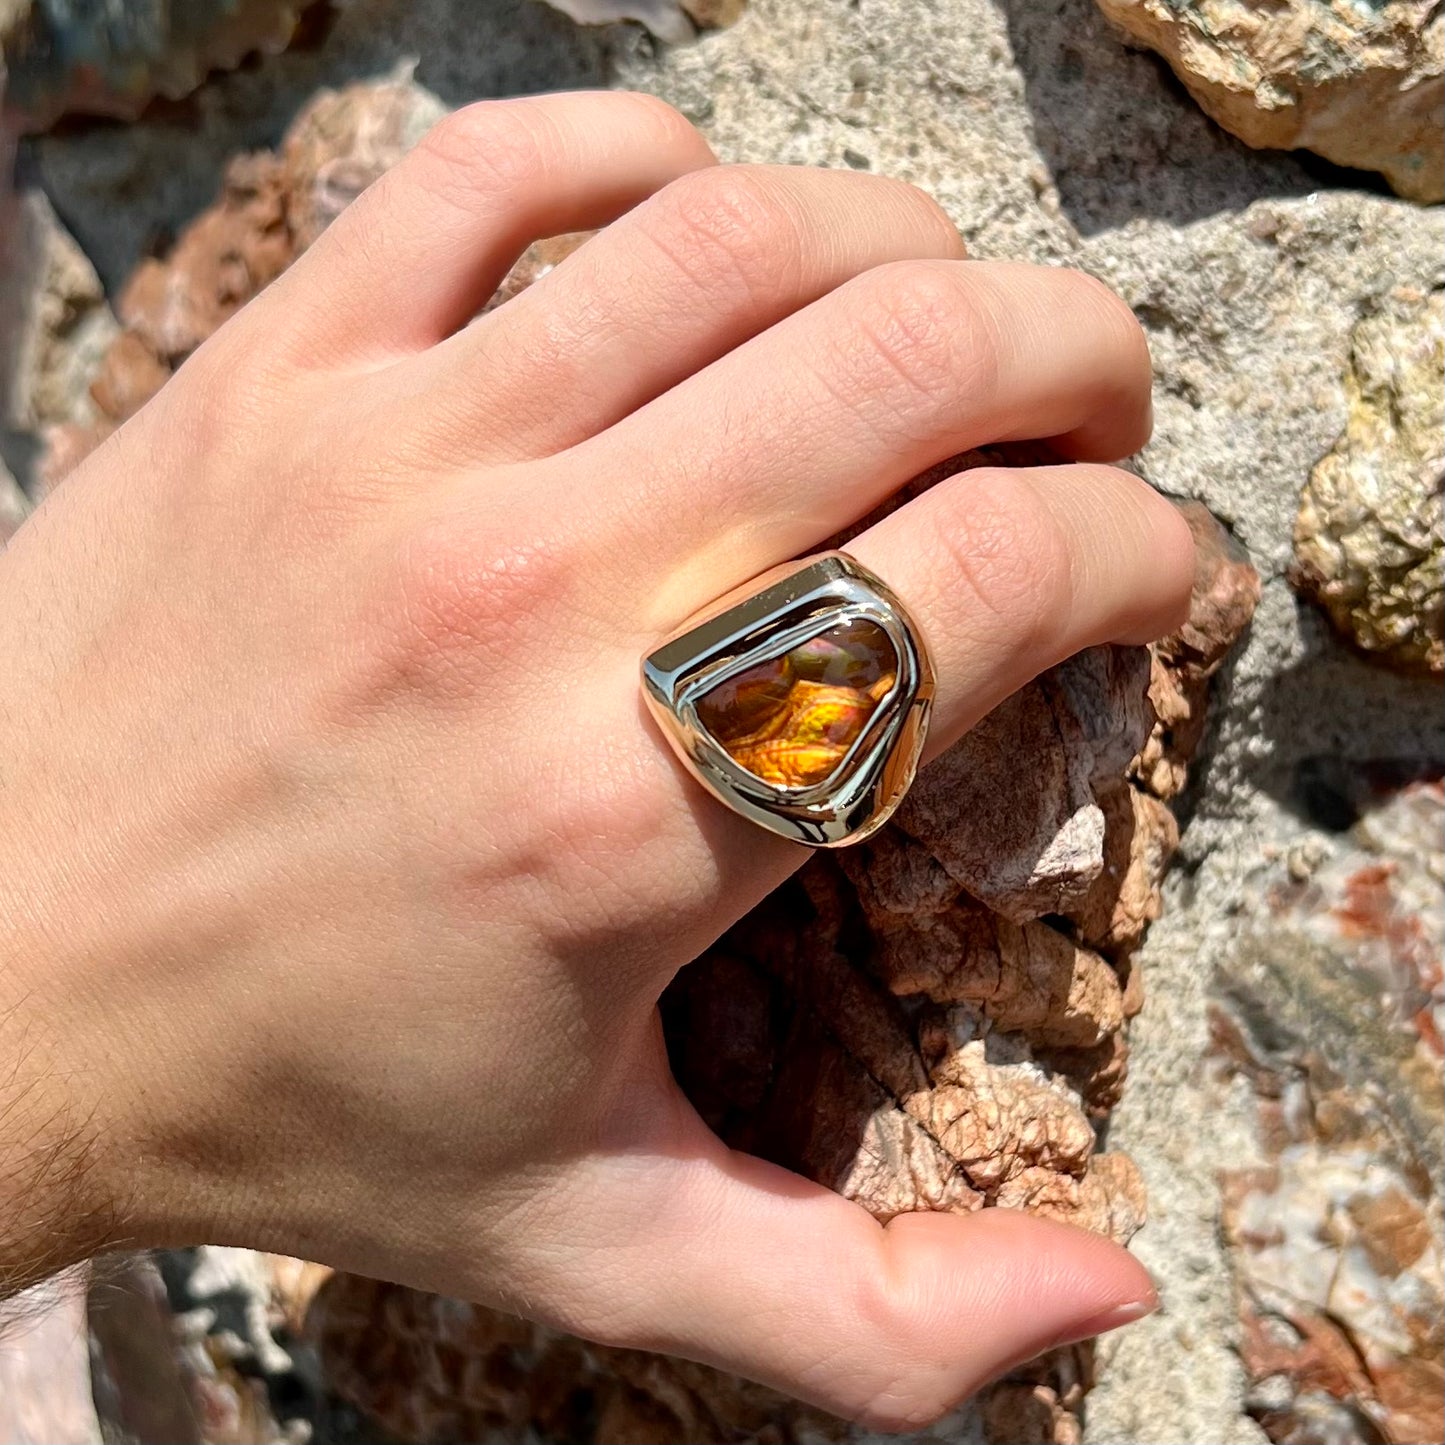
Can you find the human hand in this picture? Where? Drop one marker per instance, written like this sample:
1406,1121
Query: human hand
343,868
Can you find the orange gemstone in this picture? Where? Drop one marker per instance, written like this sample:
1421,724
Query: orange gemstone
791,720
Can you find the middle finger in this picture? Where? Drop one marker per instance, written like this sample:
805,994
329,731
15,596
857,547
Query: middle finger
700,267
783,442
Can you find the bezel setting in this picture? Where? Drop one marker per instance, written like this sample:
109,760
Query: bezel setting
759,622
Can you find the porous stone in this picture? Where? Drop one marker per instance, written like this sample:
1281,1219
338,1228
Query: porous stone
1363,85
1370,536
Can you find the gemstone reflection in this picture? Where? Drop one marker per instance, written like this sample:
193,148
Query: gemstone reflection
791,720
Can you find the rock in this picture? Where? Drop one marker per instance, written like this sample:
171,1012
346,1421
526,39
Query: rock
14,505
1362,85
1038,848
434,1369
1140,836
223,259
1332,1011
342,141
45,1368
1370,536
1225,594
671,20
55,322
271,207
63,58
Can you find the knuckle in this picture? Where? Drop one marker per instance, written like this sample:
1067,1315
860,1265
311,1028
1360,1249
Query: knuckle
1109,314
1014,560
667,125
926,212
729,222
486,147
929,328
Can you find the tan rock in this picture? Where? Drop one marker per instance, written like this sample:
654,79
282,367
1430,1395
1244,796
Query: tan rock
342,141
1140,836
55,323
1370,536
1362,85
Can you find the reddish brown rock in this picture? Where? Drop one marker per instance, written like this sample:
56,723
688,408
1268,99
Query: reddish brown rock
1226,592
271,207
1331,1010
1140,836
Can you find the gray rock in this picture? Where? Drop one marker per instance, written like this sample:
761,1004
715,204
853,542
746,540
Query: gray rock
61,55
55,325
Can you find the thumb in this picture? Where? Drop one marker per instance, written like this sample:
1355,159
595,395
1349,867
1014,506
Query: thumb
758,1271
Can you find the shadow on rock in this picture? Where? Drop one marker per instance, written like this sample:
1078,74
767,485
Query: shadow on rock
1123,139
125,191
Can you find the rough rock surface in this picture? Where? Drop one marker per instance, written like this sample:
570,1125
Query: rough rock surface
61,57
1331,1009
55,322
1361,84
671,20
1048,140
1370,537
271,207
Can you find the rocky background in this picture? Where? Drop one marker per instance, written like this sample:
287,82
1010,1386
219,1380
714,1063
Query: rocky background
977,1008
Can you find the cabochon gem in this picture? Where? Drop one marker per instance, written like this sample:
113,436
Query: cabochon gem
791,720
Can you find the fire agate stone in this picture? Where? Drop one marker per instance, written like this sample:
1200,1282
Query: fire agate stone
791,720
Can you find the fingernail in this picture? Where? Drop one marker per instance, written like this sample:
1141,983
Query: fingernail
1113,1319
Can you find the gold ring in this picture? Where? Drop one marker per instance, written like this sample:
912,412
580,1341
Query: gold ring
800,700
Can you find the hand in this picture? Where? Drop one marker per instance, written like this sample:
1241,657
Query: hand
343,867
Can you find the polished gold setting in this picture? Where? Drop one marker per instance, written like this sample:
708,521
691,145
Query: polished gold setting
800,700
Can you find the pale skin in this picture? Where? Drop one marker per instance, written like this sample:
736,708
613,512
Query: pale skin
340,866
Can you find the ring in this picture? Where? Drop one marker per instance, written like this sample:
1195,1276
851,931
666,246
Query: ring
800,699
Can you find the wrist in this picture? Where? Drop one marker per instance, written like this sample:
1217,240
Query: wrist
63,1197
